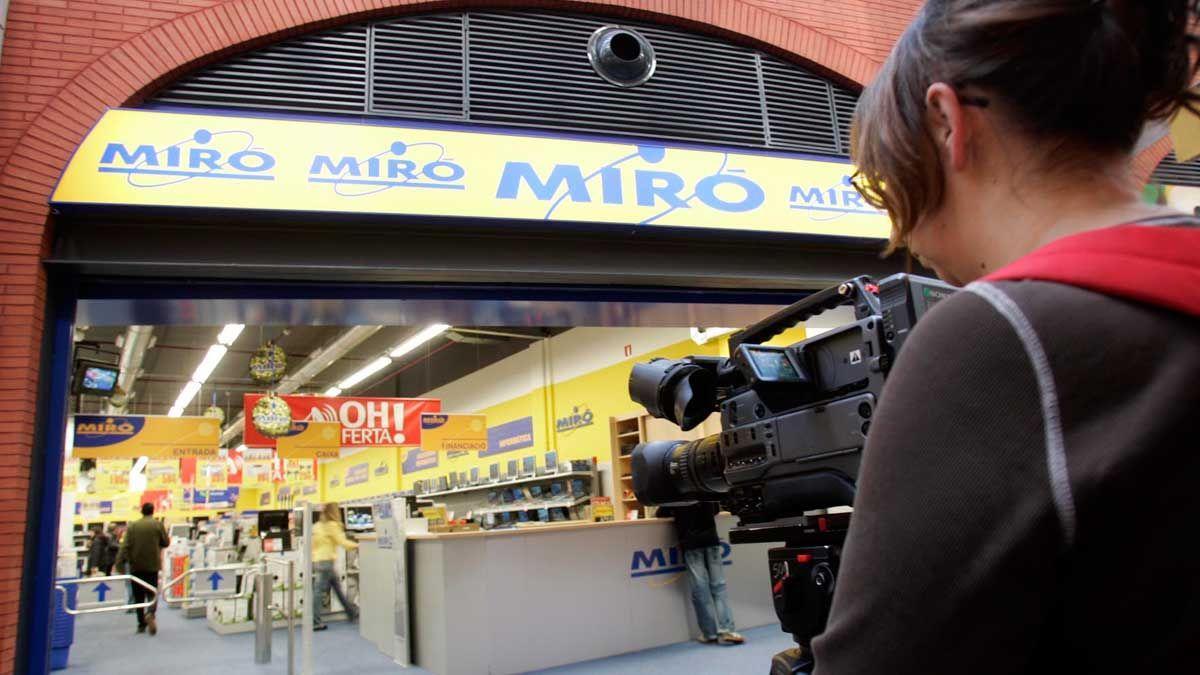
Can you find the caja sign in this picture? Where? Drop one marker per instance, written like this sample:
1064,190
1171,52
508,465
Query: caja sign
154,158
366,422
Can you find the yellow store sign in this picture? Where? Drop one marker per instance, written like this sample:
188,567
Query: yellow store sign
137,436
307,440
173,159
446,432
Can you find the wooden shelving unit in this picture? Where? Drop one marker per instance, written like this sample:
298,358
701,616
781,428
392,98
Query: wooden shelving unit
626,432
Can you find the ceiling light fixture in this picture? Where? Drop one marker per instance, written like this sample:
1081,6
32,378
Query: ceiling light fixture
229,333
417,339
365,372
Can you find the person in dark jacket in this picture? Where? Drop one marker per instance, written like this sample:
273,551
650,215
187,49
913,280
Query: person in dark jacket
142,549
1030,479
97,550
111,549
696,529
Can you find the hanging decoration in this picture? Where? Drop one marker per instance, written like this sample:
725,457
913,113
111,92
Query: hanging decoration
215,413
268,364
272,416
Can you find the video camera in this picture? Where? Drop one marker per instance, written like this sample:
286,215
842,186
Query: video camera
794,421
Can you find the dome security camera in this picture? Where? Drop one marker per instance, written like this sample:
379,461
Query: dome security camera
622,56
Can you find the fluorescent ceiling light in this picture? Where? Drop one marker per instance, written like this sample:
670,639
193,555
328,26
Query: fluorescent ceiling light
367,371
333,391
175,412
211,359
185,397
229,333
419,338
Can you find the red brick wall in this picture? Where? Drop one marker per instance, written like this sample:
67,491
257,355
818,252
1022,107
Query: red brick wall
64,61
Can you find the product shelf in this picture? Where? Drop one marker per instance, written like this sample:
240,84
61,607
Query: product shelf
532,506
518,481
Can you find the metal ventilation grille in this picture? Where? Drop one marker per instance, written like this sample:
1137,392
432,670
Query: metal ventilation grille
531,70
325,72
1171,172
844,103
417,67
799,108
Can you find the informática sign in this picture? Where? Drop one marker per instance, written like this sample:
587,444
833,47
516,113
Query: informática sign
365,422
133,436
178,159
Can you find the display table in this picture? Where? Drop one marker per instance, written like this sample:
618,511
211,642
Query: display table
508,601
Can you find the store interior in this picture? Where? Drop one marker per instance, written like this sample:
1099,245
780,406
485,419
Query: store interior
552,427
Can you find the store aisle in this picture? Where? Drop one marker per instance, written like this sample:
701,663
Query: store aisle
105,644
692,658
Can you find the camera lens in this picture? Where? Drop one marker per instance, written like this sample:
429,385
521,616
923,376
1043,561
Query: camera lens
671,472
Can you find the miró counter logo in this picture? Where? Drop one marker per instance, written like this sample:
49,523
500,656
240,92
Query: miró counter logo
205,154
667,560
421,165
658,190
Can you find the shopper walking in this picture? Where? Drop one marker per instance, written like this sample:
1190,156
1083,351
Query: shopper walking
97,550
142,550
696,529
1044,416
111,548
328,535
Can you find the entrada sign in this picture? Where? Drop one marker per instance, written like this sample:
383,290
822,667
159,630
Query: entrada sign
154,158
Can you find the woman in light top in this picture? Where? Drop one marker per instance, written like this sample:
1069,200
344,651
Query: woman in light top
328,535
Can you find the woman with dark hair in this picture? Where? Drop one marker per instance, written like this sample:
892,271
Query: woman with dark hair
1032,477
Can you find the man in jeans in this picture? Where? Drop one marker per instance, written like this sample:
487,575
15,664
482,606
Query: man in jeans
696,527
142,548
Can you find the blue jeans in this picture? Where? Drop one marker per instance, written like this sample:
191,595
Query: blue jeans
707,578
326,579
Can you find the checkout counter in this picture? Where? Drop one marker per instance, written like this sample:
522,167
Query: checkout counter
514,600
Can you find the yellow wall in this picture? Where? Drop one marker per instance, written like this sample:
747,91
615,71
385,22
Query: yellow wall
604,393
376,459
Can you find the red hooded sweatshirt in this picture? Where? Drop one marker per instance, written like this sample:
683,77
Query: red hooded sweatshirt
1029,494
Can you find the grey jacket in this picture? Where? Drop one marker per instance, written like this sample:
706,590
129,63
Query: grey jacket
1029,494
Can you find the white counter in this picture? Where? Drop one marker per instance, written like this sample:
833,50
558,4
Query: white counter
516,600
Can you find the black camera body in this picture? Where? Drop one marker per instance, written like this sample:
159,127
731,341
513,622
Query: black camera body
794,421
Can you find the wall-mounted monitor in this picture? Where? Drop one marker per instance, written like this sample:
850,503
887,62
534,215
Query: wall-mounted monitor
93,377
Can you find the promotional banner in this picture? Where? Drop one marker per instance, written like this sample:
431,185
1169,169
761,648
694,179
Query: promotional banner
256,473
212,473
214,499
450,432
365,421
112,475
509,436
151,436
307,440
299,471
162,474
154,158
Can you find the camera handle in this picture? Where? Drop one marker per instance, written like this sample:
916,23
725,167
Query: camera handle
857,291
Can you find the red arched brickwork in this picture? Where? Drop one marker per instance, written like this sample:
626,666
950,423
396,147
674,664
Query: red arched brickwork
65,61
